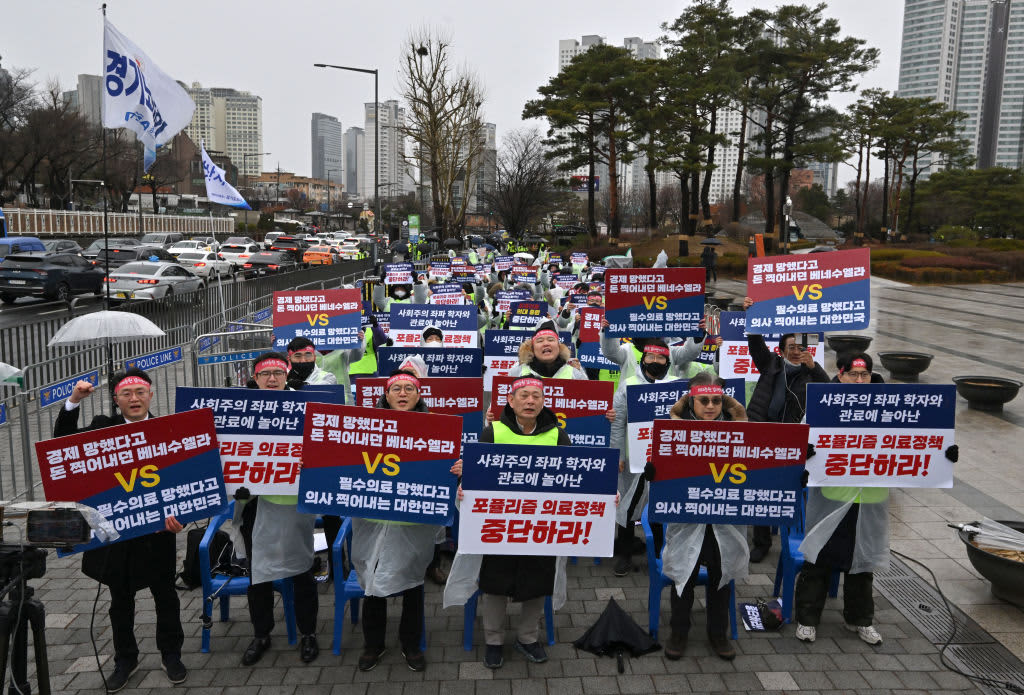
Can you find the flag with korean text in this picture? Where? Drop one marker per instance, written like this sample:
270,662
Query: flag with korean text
579,405
329,318
538,500
654,302
218,190
462,396
378,463
881,435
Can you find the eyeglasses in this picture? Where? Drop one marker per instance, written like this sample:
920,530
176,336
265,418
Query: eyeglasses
402,388
707,400
859,376
276,373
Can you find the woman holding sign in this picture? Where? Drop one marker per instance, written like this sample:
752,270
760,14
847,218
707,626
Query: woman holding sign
722,548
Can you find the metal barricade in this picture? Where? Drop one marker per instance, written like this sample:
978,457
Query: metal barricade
169,369
236,361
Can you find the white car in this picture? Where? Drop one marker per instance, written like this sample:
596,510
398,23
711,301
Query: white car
238,254
188,245
146,280
349,249
206,264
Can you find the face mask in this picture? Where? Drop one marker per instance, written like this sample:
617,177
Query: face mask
655,370
301,370
400,294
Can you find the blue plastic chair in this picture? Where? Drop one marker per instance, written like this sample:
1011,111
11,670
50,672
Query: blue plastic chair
224,587
469,621
790,562
658,581
347,593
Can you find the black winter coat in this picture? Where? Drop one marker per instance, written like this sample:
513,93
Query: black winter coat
772,367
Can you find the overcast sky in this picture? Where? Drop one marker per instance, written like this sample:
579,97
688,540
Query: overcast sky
268,48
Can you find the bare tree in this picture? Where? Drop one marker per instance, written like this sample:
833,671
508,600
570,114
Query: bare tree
17,99
525,188
445,124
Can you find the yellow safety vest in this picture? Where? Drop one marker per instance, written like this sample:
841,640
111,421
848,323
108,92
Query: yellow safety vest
368,363
866,495
503,434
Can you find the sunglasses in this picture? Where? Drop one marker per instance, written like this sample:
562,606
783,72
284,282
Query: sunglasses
708,400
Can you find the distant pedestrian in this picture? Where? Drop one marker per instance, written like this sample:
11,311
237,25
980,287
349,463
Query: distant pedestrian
709,259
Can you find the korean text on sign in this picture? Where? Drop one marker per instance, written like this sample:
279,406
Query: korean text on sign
538,500
260,433
378,463
501,352
440,361
721,472
881,435
654,302
398,273
462,396
138,474
330,318
816,292
580,407
458,323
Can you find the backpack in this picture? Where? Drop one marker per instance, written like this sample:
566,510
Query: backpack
221,550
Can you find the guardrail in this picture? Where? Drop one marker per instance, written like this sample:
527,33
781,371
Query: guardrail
32,222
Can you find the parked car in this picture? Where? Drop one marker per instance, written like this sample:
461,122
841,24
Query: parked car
270,238
267,262
162,239
92,250
206,264
148,280
187,245
13,245
47,275
320,255
237,254
117,256
62,246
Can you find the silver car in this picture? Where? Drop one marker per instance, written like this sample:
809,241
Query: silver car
205,264
147,280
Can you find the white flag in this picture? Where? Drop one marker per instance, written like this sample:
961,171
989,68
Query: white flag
139,96
217,189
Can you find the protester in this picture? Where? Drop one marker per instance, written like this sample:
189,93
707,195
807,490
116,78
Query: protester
722,548
133,564
279,544
391,558
302,356
779,396
432,336
545,356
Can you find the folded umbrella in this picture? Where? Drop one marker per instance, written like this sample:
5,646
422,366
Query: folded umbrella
615,633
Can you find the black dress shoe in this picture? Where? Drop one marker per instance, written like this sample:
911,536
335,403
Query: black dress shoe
119,678
757,553
254,652
309,650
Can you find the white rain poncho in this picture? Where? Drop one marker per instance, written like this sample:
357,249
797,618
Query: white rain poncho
871,542
390,557
682,548
282,542
464,580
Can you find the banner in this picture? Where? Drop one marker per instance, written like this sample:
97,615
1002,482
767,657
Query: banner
503,263
441,269
815,292
580,407
462,396
505,298
654,302
501,352
465,362
646,403
398,273
528,314
722,472
447,294
218,190
538,500
379,464
578,258
330,318
458,323
259,431
139,473
734,360
565,281
139,96
881,435
524,273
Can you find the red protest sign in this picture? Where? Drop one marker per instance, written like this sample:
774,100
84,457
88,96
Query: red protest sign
590,324
568,398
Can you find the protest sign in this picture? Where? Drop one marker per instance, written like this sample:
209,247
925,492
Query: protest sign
590,356
590,324
505,298
734,357
723,472
501,351
502,263
646,403
137,474
458,323
379,464
398,273
527,315
465,362
881,435
579,405
441,269
815,292
537,500
578,258
566,281
462,396
259,431
654,302
708,351
524,273
330,318
447,294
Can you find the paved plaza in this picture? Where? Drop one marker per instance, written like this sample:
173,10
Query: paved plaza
970,330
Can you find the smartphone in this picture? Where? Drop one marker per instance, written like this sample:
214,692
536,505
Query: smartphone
806,339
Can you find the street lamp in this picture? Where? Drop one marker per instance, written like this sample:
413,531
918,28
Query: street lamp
376,128
328,225
245,167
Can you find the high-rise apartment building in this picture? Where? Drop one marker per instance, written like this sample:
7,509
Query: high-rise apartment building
354,171
325,137
570,48
229,121
392,166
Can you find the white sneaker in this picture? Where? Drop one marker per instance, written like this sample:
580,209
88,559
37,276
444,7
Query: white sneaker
806,633
869,634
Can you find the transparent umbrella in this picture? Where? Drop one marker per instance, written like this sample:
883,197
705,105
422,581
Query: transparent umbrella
102,326
9,374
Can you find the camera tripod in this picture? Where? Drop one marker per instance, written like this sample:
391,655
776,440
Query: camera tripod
14,624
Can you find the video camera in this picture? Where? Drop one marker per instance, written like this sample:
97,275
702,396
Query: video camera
805,340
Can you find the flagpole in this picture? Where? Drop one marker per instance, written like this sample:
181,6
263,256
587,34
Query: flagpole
103,190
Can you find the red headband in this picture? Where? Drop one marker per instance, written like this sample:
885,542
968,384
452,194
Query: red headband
523,383
271,362
308,348
402,377
545,332
131,381
859,363
707,390
656,350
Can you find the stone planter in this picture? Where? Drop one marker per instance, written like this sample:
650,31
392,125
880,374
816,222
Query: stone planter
905,366
987,393
848,343
1005,575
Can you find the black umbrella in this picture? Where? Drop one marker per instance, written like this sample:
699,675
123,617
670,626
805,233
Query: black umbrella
535,240
711,242
433,237
453,243
615,633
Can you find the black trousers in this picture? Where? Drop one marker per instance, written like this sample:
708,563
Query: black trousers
410,626
332,526
261,596
624,534
763,537
169,634
812,589
717,599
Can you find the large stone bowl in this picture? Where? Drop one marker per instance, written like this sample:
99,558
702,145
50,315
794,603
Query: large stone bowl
1005,575
848,343
987,393
905,366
